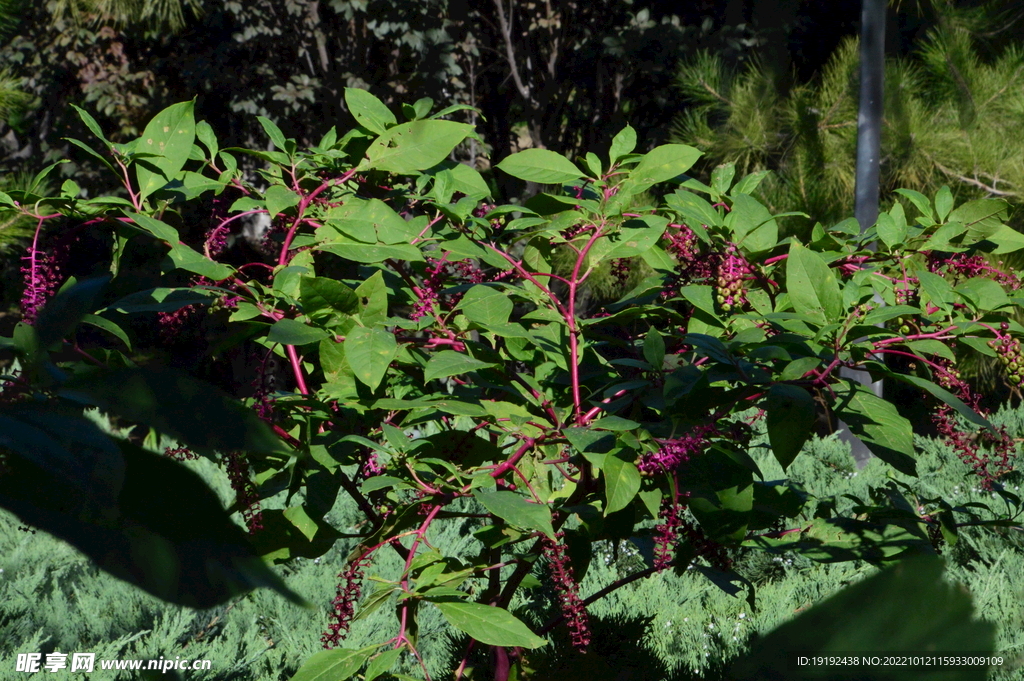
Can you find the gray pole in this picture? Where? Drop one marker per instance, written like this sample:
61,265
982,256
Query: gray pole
869,151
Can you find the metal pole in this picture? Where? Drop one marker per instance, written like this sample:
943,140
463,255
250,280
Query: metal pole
869,151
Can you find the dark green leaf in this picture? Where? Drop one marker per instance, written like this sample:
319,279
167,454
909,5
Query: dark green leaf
906,609
660,164
294,332
273,132
63,313
191,411
450,363
490,625
516,510
621,483
791,416
623,143
280,198
876,422
486,305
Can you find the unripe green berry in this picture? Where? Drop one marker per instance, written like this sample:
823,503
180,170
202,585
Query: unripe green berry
904,329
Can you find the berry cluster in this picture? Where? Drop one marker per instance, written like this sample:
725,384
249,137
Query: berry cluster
906,291
180,453
674,453
988,465
1008,349
666,534
43,276
965,266
569,593
343,607
248,497
733,270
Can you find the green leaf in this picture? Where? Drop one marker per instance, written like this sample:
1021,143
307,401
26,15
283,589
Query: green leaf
369,353
791,416
984,293
750,183
109,327
540,165
944,395
183,257
920,201
319,294
205,134
370,112
273,132
1006,239
360,252
654,348
661,164
382,664
294,332
936,289
280,198
876,422
419,145
91,123
812,285
161,230
469,181
889,230
905,609
170,134
334,665
62,314
371,221
191,411
450,363
621,483
722,177
163,300
373,299
490,625
752,225
167,534
623,143
486,305
693,208
943,202
516,510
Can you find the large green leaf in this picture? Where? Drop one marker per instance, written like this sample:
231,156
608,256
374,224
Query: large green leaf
370,112
909,609
752,225
371,221
516,510
623,143
490,625
791,416
163,300
190,411
185,258
369,353
419,145
876,422
280,198
170,134
319,294
62,314
450,363
166,533
294,332
812,285
360,252
661,164
333,665
540,165
486,305
621,483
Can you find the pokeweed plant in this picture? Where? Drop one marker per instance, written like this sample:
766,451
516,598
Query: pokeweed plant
399,297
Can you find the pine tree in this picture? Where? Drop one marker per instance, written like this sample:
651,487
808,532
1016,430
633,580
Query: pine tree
949,113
